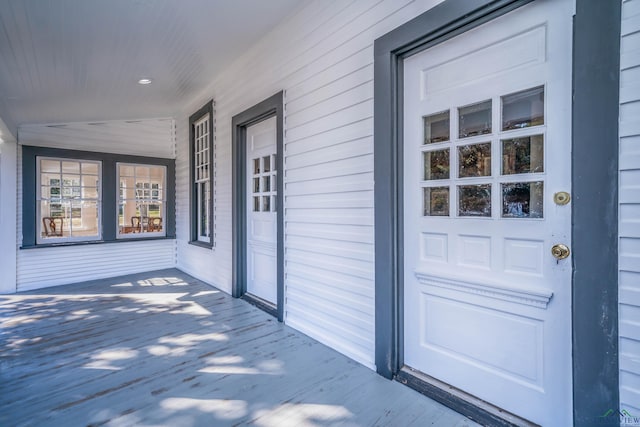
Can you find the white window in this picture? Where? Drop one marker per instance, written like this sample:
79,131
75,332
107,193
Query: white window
68,200
141,200
202,177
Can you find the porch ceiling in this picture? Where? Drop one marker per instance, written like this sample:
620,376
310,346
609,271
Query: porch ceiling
78,60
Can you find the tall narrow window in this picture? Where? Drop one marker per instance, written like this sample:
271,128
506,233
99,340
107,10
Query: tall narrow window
201,127
141,201
69,200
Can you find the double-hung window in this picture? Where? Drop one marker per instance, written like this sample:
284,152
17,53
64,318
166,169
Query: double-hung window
201,167
141,200
68,200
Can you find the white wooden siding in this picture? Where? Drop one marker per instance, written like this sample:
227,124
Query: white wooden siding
40,268
629,213
149,137
322,57
43,267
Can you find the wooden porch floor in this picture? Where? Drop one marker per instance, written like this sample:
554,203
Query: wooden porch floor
164,349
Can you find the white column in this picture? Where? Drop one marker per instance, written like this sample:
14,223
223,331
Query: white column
8,218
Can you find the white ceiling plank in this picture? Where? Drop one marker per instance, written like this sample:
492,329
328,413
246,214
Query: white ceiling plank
75,60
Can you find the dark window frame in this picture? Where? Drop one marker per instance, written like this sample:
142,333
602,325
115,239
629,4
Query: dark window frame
206,109
108,187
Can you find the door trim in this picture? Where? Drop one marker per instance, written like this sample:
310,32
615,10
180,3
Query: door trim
595,139
270,107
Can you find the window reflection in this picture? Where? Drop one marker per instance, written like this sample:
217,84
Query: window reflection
436,201
523,200
474,119
523,109
436,128
523,155
474,160
474,200
436,164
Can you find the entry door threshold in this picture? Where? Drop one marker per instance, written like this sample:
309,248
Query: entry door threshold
262,304
464,403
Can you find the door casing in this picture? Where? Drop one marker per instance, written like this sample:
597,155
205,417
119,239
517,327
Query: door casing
270,107
595,193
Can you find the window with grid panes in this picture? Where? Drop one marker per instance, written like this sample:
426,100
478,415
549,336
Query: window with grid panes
201,124
64,200
264,186
141,202
461,174
69,200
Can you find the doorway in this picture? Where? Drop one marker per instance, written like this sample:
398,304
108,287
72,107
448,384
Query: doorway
593,158
258,244
487,306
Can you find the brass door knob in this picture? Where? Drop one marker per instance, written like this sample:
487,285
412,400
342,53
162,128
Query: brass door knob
560,251
561,198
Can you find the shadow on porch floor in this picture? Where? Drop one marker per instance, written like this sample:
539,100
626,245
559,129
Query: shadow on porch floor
165,349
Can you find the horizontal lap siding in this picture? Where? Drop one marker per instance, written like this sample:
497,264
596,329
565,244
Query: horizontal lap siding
38,268
322,57
44,267
151,138
629,214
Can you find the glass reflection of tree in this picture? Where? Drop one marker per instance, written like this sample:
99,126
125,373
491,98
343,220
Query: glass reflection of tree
437,165
522,200
475,160
475,200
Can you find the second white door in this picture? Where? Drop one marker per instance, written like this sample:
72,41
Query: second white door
261,210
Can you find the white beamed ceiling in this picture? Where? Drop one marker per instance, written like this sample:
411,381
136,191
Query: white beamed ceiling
80,60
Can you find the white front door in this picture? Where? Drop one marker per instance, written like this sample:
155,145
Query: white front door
486,146
261,210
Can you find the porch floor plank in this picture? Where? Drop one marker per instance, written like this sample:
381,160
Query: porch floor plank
165,349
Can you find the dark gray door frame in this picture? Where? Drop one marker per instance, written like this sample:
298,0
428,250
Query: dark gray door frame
270,107
595,188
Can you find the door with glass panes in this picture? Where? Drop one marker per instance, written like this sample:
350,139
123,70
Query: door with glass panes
486,220
261,210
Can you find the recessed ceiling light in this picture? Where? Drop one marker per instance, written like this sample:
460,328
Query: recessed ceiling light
144,81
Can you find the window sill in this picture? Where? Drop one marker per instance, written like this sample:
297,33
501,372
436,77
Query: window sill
94,242
201,244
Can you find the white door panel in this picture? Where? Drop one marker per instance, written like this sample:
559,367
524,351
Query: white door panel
486,145
261,210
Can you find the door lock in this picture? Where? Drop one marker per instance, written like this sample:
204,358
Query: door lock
560,251
561,198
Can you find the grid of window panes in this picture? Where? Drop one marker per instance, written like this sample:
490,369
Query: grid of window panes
202,169
476,165
141,204
69,199
264,184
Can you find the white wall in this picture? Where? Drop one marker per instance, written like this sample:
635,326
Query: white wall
629,213
44,267
8,162
322,57
150,137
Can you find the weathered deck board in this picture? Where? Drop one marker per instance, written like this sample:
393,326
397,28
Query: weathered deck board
164,349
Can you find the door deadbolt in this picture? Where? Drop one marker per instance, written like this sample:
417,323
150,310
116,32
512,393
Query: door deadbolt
560,251
561,198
